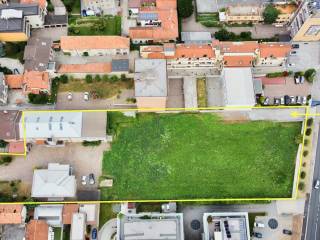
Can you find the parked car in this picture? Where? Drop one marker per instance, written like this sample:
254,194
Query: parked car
69,96
286,231
291,64
295,46
292,100
293,53
257,235
299,100
258,224
266,101
94,234
91,179
84,180
282,100
277,101
301,79
304,100
286,100
317,184
86,96
296,80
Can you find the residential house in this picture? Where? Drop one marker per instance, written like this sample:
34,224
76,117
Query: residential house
95,45
78,226
68,211
52,214
37,230
38,55
102,7
181,56
150,226
226,226
242,14
55,128
91,212
12,214
156,21
3,90
236,54
238,87
273,54
30,82
151,83
55,183
305,25
115,67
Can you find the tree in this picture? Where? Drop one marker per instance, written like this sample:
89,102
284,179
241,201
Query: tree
224,35
270,14
3,143
185,8
310,74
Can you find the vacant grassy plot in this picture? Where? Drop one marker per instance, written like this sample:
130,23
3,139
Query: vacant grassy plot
107,25
102,88
188,156
201,92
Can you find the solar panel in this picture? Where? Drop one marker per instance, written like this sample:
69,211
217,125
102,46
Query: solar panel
148,16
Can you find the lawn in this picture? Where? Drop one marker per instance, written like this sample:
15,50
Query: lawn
106,25
201,92
57,233
106,214
102,88
190,156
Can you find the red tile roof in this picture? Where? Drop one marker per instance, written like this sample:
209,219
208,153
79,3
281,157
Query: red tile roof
35,81
194,51
37,230
278,50
42,3
236,47
11,214
16,147
238,61
14,81
68,210
85,68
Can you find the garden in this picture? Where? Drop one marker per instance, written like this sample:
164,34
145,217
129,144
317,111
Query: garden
106,25
198,156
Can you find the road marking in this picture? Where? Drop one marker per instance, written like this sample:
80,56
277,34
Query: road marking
315,233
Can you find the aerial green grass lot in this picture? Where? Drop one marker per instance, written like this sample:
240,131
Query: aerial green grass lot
192,156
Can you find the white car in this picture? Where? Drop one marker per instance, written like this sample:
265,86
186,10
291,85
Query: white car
317,184
69,96
304,100
86,96
258,224
84,180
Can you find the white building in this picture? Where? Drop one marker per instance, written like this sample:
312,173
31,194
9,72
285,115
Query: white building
150,226
78,226
238,87
3,90
95,45
54,183
52,214
226,226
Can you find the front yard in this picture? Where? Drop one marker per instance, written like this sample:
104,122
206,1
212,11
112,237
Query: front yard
190,156
106,25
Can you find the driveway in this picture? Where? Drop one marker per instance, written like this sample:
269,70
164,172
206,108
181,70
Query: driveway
78,102
84,160
54,33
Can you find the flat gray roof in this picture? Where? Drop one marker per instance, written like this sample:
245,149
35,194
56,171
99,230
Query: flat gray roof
196,37
151,78
28,9
11,25
120,65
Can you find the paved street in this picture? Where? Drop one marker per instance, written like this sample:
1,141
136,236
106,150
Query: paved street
312,222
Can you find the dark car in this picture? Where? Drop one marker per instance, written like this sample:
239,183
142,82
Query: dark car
287,100
257,235
295,46
286,231
94,234
91,179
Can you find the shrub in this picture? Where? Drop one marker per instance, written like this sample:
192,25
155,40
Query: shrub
310,74
3,143
97,78
114,78
88,79
304,164
305,153
41,98
131,100
85,54
105,78
308,131
6,160
185,8
5,70
123,78
309,122
209,219
91,143
298,139
306,142
303,175
301,186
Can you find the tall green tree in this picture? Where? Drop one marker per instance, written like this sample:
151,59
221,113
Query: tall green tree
310,74
185,8
270,14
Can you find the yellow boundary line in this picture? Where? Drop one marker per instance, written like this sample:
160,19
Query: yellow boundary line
295,193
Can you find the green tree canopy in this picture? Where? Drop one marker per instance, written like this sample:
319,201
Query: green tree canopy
270,14
310,74
185,8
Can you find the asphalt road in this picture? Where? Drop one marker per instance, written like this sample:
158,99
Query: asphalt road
313,215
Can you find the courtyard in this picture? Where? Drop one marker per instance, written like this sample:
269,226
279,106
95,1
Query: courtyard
193,156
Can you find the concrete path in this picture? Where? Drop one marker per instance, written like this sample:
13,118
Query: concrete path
12,64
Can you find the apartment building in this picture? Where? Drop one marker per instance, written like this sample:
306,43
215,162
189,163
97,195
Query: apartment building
242,14
306,23
273,54
156,21
95,45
